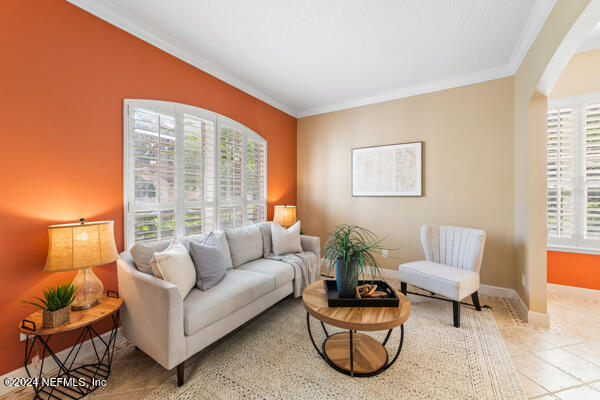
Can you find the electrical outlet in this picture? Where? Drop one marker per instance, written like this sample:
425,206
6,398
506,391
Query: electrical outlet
384,252
523,280
22,337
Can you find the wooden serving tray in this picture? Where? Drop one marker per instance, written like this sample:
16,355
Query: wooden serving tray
334,300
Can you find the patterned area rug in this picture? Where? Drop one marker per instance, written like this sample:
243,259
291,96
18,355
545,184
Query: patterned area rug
273,358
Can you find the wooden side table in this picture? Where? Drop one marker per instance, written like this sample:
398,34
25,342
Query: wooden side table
73,381
353,353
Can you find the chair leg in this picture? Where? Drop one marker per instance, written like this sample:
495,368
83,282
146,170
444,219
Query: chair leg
403,288
180,370
456,312
475,298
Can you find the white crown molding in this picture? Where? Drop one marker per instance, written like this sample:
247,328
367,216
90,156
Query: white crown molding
535,22
129,23
589,45
533,26
427,87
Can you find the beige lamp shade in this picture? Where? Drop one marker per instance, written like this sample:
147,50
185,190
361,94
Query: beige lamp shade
285,215
83,245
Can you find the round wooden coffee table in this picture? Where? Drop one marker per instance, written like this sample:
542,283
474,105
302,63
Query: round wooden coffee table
351,352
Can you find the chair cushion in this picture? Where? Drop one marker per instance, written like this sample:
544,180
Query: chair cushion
452,282
245,244
279,271
238,289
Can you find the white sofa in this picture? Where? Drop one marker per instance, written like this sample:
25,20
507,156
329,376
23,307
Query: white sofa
170,329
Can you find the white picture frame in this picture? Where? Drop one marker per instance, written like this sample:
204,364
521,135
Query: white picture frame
389,170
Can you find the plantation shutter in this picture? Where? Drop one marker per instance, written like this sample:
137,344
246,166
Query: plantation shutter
591,174
256,181
199,174
188,171
231,143
153,158
561,124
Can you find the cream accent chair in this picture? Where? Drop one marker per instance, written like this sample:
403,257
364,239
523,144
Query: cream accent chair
453,260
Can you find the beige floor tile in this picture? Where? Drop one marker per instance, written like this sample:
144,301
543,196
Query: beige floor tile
547,376
579,393
571,363
588,350
544,397
532,389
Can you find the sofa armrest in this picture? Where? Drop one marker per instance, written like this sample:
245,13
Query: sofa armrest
152,315
311,243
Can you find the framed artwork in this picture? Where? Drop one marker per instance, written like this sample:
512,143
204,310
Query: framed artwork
391,170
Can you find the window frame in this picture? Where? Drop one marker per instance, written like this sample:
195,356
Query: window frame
576,244
179,205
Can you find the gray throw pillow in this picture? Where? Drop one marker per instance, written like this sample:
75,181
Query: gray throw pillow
209,263
142,254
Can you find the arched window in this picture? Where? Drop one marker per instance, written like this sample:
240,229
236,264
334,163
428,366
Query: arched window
188,170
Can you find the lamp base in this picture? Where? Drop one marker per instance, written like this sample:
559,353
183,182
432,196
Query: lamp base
88,290
85,307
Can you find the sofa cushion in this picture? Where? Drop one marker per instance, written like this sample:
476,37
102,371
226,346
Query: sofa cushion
209,263
286,240
280,271
238,289
142,254
454,283
175,265
245,244
265,230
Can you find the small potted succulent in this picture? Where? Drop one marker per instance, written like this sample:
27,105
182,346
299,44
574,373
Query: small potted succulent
350,251
56,305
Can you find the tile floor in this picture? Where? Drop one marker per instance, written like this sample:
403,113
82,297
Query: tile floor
562,362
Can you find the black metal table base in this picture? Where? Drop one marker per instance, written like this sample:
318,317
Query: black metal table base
323,353
72,381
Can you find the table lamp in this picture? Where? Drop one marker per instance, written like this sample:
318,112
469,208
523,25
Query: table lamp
81,247
285,215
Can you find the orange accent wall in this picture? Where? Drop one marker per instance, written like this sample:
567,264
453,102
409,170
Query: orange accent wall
574,269
63,77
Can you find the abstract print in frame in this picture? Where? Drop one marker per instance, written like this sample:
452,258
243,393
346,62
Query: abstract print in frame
390,170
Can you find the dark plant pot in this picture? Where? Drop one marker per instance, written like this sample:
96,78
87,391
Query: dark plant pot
343,281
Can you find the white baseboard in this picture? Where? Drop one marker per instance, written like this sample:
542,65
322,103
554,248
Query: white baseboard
573,291
497,291
87,350
538,319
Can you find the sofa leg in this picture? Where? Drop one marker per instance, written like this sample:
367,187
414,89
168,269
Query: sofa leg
475,298
403,288
180,370
456,312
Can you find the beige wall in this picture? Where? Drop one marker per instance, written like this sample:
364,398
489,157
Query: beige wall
467,178
530,155
582,75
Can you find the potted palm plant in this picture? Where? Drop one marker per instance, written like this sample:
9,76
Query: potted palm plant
56,305
350,251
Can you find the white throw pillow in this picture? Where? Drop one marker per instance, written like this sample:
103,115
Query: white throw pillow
175,265
286,240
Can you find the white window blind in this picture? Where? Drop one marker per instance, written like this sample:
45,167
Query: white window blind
573,173
186,171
